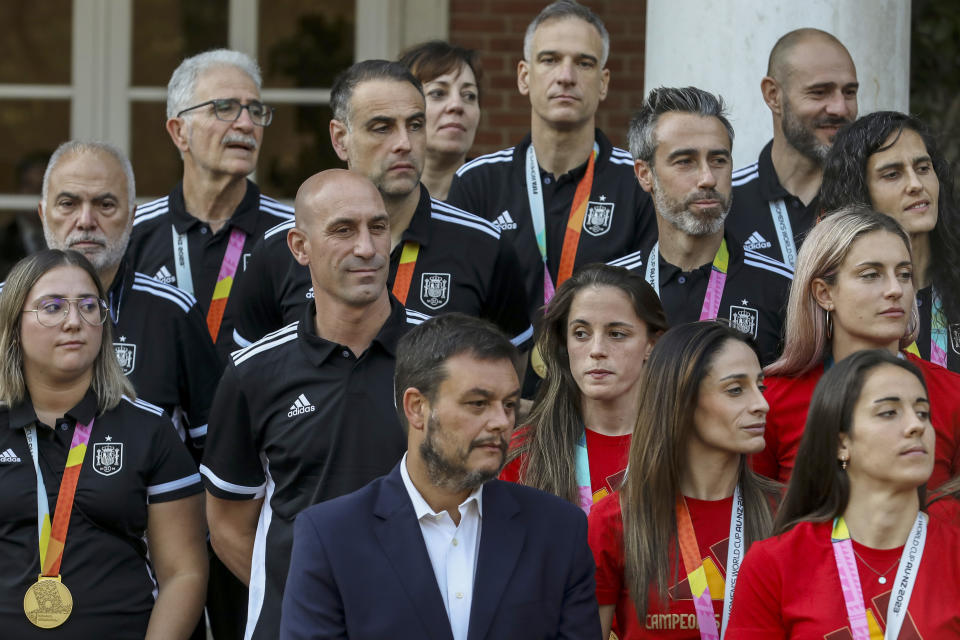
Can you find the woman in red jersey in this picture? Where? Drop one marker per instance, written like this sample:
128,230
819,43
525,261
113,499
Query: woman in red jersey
854,556
594,338
853,290
669,543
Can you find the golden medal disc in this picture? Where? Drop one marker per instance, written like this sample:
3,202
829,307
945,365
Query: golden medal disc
536,361
48,602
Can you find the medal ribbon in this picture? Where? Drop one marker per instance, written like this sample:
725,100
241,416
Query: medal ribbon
582,474
718,278
221,292
938,332
781,222
697,574
53,539
902,584
408,262
571,235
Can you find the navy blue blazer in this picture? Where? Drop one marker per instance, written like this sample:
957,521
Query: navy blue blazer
360,569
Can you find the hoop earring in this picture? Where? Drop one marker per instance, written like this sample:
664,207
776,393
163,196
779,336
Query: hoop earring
829,325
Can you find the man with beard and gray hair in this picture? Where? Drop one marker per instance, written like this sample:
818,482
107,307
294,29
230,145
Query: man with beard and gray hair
681,141
439,548
811,90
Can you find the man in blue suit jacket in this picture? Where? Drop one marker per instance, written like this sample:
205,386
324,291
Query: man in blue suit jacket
438,549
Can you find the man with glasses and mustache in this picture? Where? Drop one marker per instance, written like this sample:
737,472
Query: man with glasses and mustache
681,141
199,236
811,90
439,548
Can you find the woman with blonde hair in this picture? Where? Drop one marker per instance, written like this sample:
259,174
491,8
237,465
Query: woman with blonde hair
853,289
100,516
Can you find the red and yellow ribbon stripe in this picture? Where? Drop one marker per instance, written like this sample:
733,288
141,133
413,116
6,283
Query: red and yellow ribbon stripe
578,210
221,292
52,540
408,262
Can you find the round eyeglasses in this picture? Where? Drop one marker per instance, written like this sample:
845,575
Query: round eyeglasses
51,311
229,110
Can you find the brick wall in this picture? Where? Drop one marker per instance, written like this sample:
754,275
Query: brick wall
495,28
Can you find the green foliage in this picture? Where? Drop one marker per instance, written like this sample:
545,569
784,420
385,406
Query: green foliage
935,70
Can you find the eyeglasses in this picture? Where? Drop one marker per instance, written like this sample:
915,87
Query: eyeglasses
229,110
51,311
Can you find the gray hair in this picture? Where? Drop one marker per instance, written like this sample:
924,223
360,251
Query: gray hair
72,147
364,71
643,124
183,82
566,9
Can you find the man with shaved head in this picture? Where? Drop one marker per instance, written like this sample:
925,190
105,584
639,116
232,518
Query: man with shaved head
811,90
306,413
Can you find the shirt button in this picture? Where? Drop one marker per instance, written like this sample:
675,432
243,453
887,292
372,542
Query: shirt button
455,542
682,279
546,180
346,353
203,230
459,595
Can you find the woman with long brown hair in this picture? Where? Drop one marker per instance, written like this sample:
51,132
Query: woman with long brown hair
668,544
854,555
594,338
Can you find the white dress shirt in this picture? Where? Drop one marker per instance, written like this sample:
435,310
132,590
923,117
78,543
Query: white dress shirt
452,549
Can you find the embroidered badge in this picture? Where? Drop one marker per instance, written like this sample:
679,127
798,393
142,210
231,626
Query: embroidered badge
107,457
126,355
435,289
598,218
744,320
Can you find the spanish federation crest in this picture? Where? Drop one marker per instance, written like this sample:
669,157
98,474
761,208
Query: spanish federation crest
107,457
435,289
598,218
955,337
126,356
744,320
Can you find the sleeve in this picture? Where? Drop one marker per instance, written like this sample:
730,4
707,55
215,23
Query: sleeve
757,598
506,304
173,474
312,606
579,615
467,193
199,370
606,543
231,466
257,298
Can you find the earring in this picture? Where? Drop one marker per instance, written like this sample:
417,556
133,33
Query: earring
843,463
829,325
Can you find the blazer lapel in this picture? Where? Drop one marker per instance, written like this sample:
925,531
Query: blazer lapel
501,540
399,534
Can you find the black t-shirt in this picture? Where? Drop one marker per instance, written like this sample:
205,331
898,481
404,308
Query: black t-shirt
462,266
751,222
164,348
134,458
298,420
620,217
754,294
151,249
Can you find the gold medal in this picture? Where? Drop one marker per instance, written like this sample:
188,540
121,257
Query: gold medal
536,361
48,602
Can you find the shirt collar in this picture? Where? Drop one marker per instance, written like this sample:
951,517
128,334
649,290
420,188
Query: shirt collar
419,229
420,506
769,183
23,414
318,349
244,217
602,158
122,283
733,250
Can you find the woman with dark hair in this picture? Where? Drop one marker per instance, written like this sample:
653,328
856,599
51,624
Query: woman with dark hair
668,544
852,290
854,555
101,530
594,338
891,162
451,85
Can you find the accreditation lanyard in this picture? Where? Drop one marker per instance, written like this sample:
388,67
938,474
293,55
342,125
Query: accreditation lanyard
781,222
718,279
571,235
902,584
582,470
53,539
697,574
228,269
408,263
938,332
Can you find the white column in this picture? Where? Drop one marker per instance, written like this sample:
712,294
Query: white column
722,46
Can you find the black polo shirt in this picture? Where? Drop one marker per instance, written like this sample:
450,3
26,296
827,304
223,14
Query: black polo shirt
754,295
924,302
620,216
298,420
151,249
461,258
134,458
751,222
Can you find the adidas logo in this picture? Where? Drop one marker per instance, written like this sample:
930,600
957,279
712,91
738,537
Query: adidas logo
165,276
309,294
300,406
756,241
504,221
9,456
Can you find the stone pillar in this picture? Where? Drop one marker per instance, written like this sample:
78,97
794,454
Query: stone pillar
723,45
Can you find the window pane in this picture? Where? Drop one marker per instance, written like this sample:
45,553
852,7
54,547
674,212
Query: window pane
165,32
156,162
305,43
32,129
35,42
295,146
